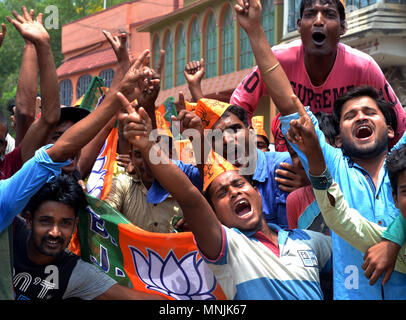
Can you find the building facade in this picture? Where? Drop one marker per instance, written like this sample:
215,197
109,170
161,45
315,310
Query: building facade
87,52
208,29
194,29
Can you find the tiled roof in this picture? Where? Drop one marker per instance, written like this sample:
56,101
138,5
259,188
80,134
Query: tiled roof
210,87
86,62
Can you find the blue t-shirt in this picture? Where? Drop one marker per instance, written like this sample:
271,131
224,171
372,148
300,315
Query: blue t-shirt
157,194
374,203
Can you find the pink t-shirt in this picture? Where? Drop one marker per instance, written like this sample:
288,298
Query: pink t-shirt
352,68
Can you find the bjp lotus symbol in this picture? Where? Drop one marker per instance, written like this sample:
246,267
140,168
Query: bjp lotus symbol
184,279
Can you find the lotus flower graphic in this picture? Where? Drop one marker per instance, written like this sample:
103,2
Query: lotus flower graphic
184,279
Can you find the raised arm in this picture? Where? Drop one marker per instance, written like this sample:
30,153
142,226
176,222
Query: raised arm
196,210
194,74
33,31
26,91
249,13
83,131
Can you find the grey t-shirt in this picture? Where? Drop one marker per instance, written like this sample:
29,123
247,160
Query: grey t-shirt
87,282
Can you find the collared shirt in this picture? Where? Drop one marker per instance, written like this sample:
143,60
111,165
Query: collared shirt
151,210
374,203
248,268
350,225
273,198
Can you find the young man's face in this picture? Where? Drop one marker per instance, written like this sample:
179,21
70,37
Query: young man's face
237,204
52,227
142,167
363,130
400,195
236,141
320,28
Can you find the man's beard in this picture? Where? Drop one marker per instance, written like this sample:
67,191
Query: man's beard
356,152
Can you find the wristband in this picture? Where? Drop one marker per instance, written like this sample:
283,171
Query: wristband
323,181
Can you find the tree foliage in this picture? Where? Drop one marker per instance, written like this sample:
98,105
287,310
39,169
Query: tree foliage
12,49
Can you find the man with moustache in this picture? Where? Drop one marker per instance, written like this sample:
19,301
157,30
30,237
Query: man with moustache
43,268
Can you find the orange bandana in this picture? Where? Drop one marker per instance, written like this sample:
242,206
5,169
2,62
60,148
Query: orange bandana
258,125
210,110
214,166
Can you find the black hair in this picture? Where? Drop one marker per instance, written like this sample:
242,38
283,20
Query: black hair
396,164
328,126
365,91
64,189
239,112
206,195
10,105
308,3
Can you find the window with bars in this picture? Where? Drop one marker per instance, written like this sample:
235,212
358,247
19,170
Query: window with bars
180,56
156,52
168,74
195,41
246,55
83,84
227,59
107,75
65,92
268,20
294,14
211,47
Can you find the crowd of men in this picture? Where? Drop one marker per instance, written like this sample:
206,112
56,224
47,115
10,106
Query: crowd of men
318,214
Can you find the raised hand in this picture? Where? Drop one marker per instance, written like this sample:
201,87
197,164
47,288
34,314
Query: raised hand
249,14
194,72
151,85
30,29
137,124
2,33
188,119
119,45
132,84
302,132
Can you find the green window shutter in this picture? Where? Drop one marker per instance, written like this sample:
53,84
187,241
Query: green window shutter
227,59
